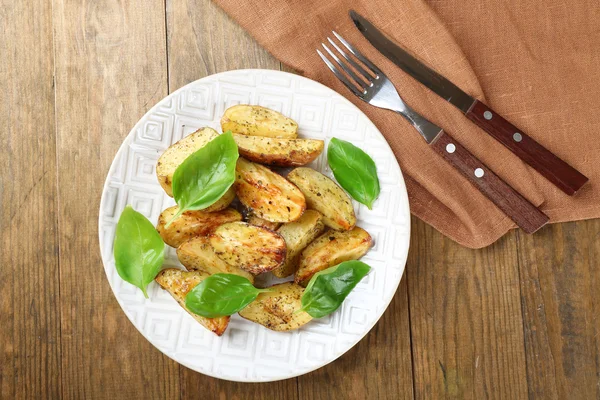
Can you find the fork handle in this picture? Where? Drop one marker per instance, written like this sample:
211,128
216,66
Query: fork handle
527,216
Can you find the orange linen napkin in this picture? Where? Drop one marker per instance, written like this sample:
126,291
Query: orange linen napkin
536,62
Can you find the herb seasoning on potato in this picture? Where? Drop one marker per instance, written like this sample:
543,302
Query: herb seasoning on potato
252,248
267,194
322,194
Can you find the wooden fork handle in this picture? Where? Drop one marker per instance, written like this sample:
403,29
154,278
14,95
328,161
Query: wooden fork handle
518,208
561,174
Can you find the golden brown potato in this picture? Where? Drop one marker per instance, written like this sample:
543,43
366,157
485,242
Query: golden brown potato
276,310
324,195
178,152
263,223
258,121
191,224
252,248
297,236
179,283
267,194
330,249
282,152
223,202
197,253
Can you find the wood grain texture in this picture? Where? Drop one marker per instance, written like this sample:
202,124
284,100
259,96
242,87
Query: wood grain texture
29,280
466,323
202,40
110,69
560,277
527,216
561,174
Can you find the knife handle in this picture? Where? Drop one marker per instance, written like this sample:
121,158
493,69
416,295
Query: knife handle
518,208
561,174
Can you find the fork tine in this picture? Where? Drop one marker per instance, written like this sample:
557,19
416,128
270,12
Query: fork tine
340,75
358,55
363,85
360,69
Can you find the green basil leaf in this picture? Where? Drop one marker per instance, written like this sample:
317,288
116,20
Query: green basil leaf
327,289
138,249
221,295
205,176
354,170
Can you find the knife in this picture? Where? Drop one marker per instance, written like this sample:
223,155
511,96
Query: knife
561,174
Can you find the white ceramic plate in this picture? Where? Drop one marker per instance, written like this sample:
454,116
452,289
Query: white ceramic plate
248,352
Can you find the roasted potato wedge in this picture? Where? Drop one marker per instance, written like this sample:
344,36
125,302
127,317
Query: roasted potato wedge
297,236
267,194
277,310
179,283
178,152
281,152
263,223
330,249
223,202
191,224
251,248
324,195
197,253
258,121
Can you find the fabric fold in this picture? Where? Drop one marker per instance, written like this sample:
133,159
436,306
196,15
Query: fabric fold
439,195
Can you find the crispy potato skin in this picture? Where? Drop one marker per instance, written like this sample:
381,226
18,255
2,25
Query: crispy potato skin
191,224
276,310
330,249
258,121
281,152
297,236
179,283
324,195
267,194
251,248
178,152
197,253
263,223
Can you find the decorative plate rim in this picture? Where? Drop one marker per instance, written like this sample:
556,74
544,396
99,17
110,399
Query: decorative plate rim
404,203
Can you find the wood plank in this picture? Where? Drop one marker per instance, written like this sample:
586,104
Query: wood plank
378,367
561,301
29,280
110,69
467,332
203,40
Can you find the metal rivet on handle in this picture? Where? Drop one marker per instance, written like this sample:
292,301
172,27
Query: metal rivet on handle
479,172
450,148
517,137
487,115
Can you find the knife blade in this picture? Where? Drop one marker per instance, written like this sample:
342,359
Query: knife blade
561,174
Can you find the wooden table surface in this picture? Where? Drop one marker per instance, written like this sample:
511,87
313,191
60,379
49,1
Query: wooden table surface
515,320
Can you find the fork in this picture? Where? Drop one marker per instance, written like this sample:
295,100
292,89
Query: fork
375,88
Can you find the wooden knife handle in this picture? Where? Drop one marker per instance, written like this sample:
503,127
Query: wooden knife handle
561,174
518,208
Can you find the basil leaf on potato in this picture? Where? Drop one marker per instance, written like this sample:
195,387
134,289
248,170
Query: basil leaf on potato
221,295
328,289
205,176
